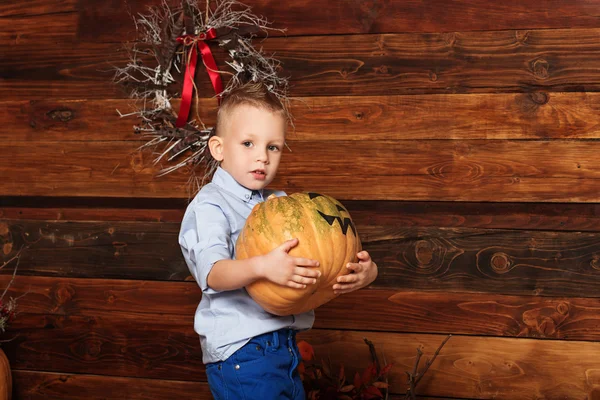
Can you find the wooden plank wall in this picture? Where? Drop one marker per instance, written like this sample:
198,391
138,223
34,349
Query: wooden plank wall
461,135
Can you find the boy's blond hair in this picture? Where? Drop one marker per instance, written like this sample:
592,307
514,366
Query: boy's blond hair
253,94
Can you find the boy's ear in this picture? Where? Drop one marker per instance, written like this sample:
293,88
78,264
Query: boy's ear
215,145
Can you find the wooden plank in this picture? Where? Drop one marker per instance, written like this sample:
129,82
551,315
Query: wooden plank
36,8
356,65
87,250
479,314
456,62
530,216
447,116
34,385
143,346
67,120
82,296
24,30
123,344
473,367
108,21
415,258
439,116
494,189
525,216
47,70
65,209
39,385
492,261
439,170
448,162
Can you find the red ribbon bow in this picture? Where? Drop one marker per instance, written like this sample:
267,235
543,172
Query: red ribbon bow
190,71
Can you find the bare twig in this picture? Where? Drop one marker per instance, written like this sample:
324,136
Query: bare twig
414,377
17,257
373,355
8,308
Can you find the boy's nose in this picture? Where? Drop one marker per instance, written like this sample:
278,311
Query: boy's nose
263,157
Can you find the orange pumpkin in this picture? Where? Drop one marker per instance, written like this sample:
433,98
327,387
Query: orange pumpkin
5,378
325,232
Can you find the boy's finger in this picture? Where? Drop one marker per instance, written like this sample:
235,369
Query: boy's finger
289,244
344,288
356,267
350,278
306,262
307,272
363,255
295,285
303,280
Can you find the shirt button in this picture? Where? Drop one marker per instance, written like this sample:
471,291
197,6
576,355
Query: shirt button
247,196
237,366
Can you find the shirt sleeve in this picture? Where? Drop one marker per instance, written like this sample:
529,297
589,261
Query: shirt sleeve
205,238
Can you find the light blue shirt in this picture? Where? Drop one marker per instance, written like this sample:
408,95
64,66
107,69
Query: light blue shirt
225,320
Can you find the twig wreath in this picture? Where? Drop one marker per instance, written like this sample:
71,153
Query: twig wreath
177,37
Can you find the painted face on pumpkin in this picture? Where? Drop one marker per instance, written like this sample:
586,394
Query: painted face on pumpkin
344,222
325,232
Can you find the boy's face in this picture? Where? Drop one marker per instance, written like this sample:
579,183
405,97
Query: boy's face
249,145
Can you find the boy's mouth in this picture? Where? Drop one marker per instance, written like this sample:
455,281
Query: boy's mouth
258,174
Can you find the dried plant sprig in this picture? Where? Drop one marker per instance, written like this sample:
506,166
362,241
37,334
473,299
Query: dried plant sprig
158,57
8,308
320,381
415,377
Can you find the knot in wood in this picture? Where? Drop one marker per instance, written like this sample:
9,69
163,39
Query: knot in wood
562,308
449,38
7,248
595,262
382,70
500,263
110,297
540,68
63,293
61,114
521,36
424,252
137,162
540,98
4,229
93,347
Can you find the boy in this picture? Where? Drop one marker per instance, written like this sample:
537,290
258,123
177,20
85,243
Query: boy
249,353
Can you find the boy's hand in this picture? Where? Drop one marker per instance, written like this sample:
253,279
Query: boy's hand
363,273
283,269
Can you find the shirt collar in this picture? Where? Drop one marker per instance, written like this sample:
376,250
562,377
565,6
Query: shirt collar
224,180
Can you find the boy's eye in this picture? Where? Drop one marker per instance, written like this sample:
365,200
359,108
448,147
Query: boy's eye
247,143
274,148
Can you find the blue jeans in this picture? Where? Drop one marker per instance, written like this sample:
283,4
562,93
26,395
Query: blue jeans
265,368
